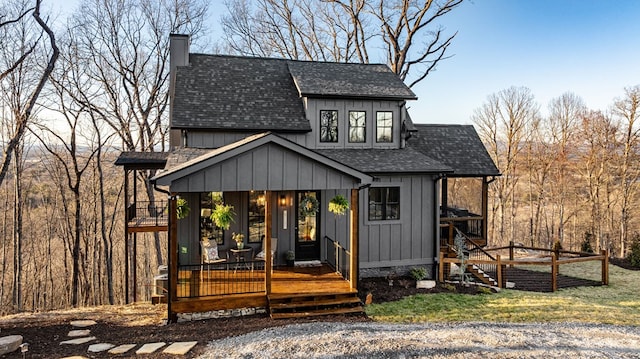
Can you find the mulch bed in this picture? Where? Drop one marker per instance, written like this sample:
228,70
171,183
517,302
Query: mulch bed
45,333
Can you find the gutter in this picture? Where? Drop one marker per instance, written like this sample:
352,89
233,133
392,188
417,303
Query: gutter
169,281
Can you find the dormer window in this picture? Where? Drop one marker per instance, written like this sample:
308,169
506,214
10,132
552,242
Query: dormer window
384,126
357,125
328,126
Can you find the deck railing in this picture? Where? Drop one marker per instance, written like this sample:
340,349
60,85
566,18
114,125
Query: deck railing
223,278
338,257
146,213
471,226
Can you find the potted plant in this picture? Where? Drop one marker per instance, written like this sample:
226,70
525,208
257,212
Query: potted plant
290,257
222,216
338,205
182,208
239,239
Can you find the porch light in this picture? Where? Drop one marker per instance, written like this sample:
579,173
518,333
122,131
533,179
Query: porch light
283,200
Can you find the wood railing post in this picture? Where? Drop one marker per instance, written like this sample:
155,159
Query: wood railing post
554,273
441,268
605,267
511,252
499,271
451,242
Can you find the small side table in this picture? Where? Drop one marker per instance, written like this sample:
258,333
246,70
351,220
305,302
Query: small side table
240,257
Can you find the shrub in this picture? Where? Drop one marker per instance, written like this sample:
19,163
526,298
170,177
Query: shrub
418,273
634,254
586,243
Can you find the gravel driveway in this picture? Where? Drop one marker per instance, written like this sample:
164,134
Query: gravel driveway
464,340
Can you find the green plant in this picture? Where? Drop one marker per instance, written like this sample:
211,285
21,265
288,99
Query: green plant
418,273
634,252
586,243
309,206
182,208
290,255
338,205
222,215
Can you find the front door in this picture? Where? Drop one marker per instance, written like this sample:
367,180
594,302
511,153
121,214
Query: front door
307,220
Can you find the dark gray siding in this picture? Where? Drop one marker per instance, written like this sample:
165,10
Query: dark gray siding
407,241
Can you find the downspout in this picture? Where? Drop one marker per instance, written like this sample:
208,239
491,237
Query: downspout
169,284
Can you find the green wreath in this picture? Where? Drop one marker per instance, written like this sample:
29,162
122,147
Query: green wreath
309,206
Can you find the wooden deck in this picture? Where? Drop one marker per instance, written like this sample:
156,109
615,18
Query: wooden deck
222,286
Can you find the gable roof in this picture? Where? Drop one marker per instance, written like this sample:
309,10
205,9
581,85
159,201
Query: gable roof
236,93
457,146
264,94
330,79
142,160
245,145
406,160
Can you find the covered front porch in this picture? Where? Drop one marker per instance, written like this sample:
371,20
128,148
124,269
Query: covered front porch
268,180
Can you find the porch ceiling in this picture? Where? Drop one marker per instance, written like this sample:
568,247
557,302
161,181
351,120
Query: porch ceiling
261,162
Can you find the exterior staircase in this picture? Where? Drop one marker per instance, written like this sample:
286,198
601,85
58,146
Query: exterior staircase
284,306
481,275
471,250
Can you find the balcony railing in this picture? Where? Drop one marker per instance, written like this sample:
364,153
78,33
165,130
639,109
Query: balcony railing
338,257
220,279
145,213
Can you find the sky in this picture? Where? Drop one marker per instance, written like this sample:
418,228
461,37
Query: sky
588,47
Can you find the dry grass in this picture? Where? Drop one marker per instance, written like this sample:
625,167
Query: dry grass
617,303
138,314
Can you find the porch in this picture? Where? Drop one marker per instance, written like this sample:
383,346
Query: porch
318,289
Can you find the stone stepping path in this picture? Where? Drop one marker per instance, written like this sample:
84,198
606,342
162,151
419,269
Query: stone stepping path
82,336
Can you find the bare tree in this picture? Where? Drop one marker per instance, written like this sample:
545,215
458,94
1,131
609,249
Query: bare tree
504,122
627,109
125,46
343,31
565,113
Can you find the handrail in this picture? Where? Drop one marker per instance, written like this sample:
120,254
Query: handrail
148,213
340,259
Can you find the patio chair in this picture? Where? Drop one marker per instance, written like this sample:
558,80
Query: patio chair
262,254
209,255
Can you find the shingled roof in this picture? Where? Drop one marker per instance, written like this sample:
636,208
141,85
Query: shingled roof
406,160
143,160
457,146
237,93
263,94
330,79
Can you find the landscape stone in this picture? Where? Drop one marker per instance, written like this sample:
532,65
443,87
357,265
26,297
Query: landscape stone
83,323
97,348
150,348
179,348
121,349
79,333
10,343
425,284
78,341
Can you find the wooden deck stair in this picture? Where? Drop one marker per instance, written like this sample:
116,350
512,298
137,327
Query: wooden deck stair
283,306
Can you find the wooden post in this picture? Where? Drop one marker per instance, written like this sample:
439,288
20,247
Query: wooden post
126,236
499,271
172,257
441,268
354,239
268,257
451,241
485,209
605,267
511,252
554,273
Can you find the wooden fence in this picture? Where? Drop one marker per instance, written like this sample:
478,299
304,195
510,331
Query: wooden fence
555,260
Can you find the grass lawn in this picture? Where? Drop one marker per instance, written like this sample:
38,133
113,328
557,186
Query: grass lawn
617,303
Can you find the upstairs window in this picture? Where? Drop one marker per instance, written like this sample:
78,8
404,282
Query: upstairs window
357,124
328,126
384,203
384,126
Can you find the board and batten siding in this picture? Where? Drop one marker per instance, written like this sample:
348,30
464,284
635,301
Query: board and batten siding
270,167
409,240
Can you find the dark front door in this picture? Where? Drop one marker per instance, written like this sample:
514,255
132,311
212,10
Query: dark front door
307,220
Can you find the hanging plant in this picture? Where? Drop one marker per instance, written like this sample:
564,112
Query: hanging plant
338,205
222,215
309,206
182,208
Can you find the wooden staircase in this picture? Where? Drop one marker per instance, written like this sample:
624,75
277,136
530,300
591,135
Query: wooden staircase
481,275
284,306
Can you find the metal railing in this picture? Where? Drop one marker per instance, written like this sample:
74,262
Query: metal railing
471,226
146,213
338,257
224,278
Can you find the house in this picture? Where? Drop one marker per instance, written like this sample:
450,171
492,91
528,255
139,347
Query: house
278,140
